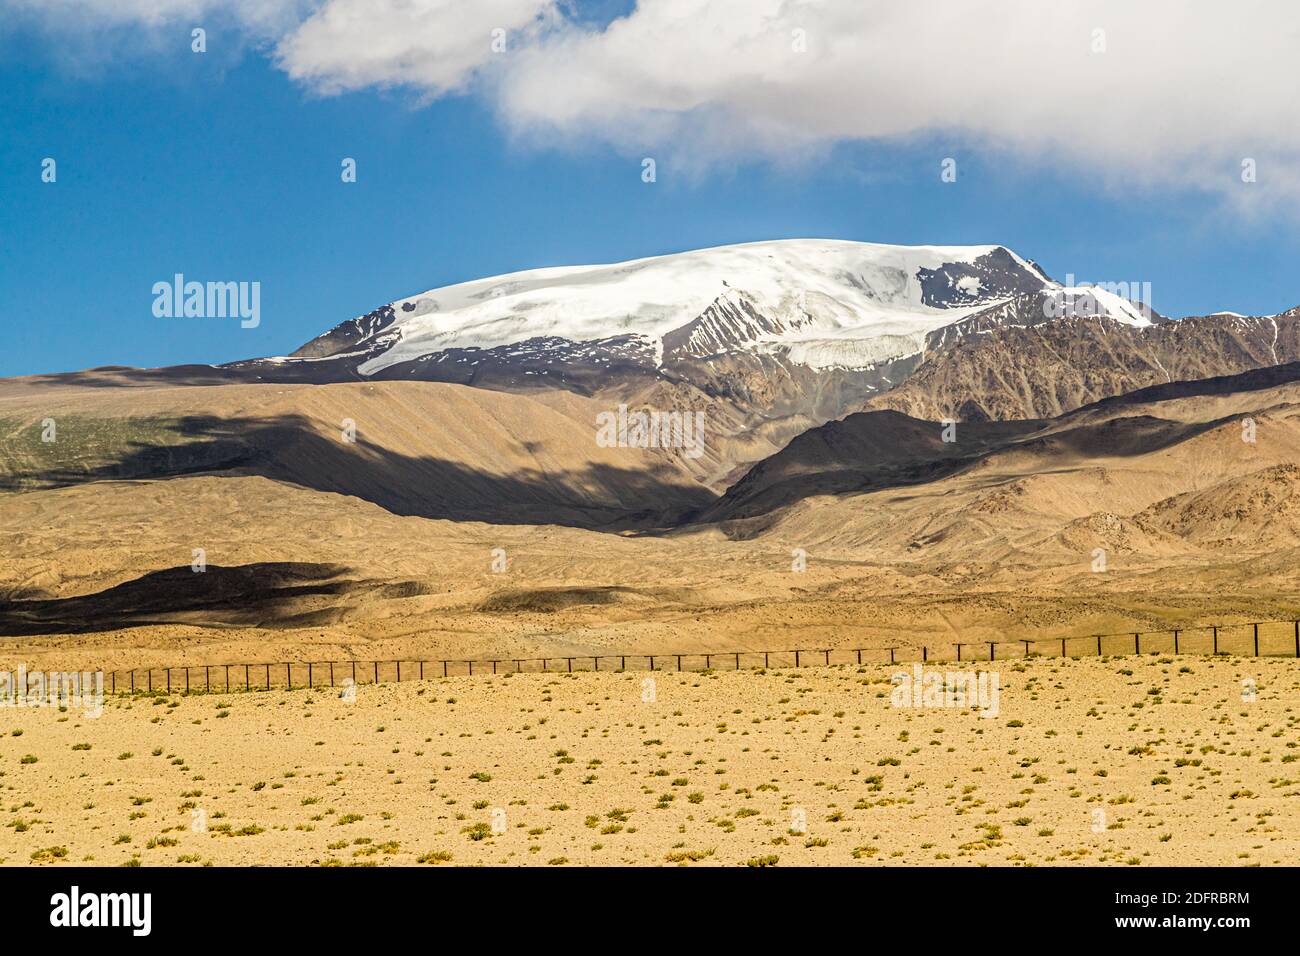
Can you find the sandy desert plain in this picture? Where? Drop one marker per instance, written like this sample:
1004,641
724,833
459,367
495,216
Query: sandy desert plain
1126,761
317,550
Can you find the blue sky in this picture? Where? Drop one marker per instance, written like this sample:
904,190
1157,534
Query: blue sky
223,167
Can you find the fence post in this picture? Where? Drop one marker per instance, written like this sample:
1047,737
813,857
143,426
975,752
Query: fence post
1137,643
376,663
1099,645
207,679
247,684
331,673
187,678
958,646
1297,638
1062,647
399,672
471,668
1026,643
679,664
268,676
444,668
1257,640
737,661
765,660
891,655
622,662
421,670
133,680
828,657
859,656
992,653
1175,640
169,680
113,678
149,677
652,663
796,658
309,678
288,674
707,664
925,653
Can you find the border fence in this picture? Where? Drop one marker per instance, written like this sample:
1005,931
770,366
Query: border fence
1255,639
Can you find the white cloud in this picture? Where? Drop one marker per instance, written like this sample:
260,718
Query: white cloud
1183,92
436,46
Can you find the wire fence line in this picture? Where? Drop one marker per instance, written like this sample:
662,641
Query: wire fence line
1254,639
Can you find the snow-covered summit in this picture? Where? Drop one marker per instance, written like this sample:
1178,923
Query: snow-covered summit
824,302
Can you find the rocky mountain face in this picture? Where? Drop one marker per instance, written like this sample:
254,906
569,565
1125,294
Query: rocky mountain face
1169,469
1028,370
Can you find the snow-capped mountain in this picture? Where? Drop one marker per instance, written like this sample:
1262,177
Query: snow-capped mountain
820,303
767,338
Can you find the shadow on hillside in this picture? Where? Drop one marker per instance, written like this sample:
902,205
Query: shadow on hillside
293,449
1254,380
806,468
122,449
262,595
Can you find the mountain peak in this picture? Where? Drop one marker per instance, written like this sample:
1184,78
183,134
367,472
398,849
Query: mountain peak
761,294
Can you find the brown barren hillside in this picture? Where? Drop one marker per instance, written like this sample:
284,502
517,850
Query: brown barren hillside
418,448
466,523
1048,368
